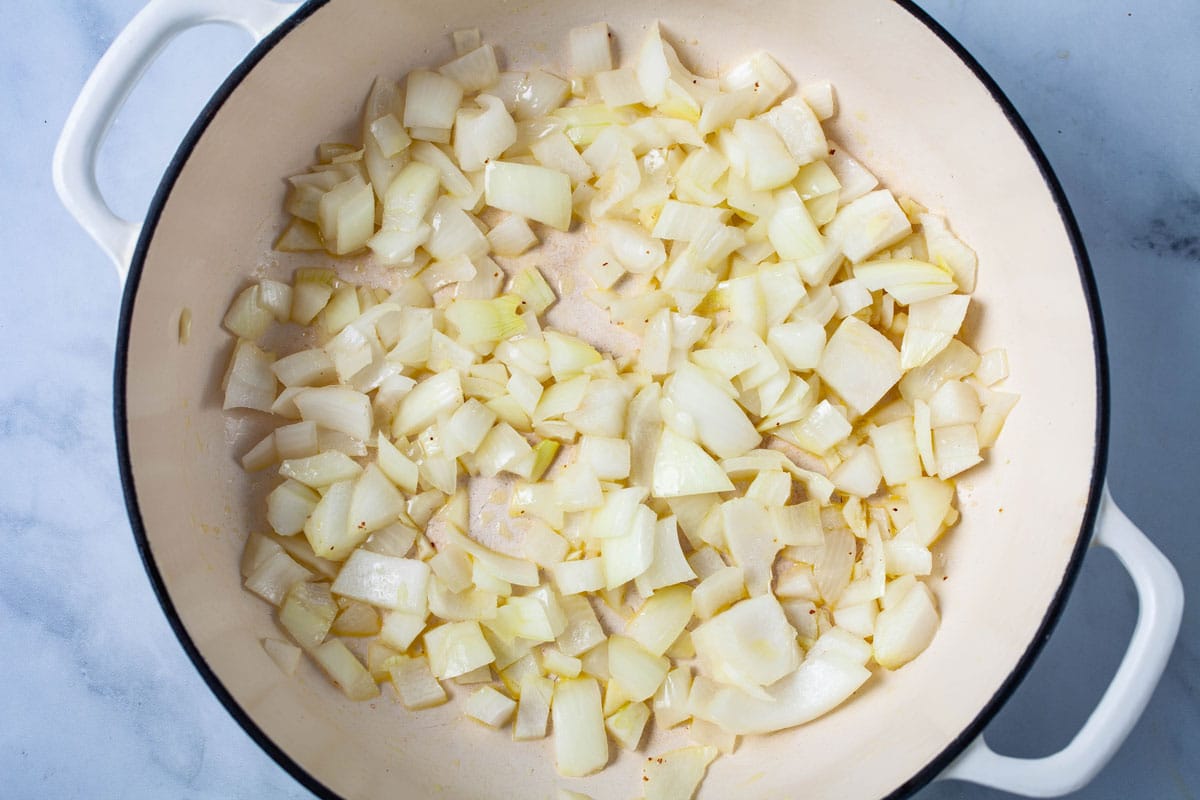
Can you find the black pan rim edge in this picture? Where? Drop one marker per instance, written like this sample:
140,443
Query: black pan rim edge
913,783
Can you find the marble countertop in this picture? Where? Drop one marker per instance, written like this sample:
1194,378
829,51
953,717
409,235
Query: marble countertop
98,698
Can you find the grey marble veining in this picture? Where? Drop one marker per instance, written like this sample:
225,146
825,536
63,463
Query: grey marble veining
98,699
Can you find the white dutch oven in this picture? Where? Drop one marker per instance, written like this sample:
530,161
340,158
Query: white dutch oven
913,105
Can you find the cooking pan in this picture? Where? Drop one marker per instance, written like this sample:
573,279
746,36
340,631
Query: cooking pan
913,105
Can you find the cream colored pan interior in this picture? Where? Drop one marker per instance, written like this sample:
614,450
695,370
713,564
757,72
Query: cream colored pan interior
909,108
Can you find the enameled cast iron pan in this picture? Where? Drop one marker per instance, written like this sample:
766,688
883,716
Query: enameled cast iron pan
912,105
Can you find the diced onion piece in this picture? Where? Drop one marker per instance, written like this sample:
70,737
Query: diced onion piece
860,364
248,317
489,707
591,51
905,629
400,629
954,403
307,613
797,525
539,94
954,362
346,671
346,216
431,100
859,474
555,663
748,536
397,584
628,555
896,449
261,455
249,381
414,682
799,129
580,740
531,287
577,577
399,469
721,424
638,672
536,193
514,570
627,724
792,232
456,648
533,708
454,234
481,321
868,225
328,528
819,96
338,409
931,325
946,250
320,470
433,396
466,40
851,296
956,449
474,69
769,165
905,557
681,467
480,136
619,87
719,589
676,774
686,221
274,577
751,644
669,566
289,505
582,631
389,134
661,619
993,367
512,236
305,368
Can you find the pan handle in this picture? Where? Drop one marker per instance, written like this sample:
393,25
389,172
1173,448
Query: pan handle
1160,608
106,90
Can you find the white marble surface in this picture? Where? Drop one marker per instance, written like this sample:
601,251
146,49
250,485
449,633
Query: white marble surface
98,699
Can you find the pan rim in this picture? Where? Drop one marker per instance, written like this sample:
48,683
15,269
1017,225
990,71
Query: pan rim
913,783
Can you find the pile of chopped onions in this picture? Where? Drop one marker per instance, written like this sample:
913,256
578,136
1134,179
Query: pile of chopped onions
726,528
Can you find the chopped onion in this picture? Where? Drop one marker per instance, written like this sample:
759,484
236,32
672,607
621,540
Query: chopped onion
489,707
537,193
345,670
474,69
860,364
456,648
249,381
627,724
590,50
397,584
759,283
431,100
580,743
415,684
533,708
675,775
338,409
619,87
